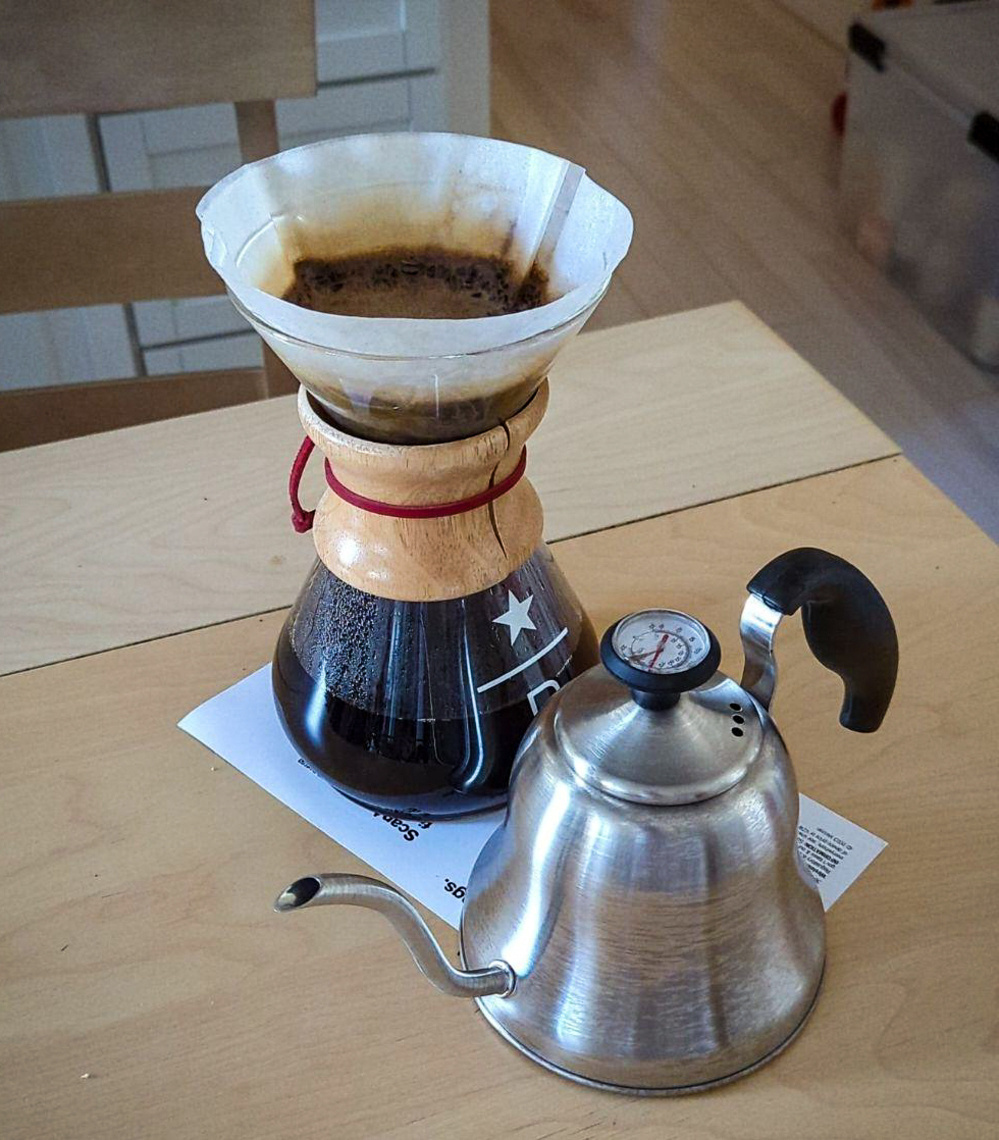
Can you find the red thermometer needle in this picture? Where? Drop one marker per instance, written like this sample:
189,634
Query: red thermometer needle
659,648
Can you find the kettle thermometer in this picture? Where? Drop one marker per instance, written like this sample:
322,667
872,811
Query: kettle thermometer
660,654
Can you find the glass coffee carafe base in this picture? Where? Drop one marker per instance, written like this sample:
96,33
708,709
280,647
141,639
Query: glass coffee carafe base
391,763
417,708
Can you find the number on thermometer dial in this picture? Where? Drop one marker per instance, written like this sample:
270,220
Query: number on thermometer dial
661,641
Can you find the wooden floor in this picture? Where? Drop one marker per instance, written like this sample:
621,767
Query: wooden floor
711,121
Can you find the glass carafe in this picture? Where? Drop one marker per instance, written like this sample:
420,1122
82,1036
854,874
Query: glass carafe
424,640
420,648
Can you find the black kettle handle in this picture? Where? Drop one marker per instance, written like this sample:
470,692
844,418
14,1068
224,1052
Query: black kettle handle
847,625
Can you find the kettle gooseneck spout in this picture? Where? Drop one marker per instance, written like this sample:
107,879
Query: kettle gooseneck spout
359,890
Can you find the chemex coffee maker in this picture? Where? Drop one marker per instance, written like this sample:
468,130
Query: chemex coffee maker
642,921
435,623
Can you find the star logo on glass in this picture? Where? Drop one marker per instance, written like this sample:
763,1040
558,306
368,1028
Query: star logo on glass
516,617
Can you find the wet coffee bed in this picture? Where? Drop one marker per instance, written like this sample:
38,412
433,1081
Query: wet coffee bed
424,283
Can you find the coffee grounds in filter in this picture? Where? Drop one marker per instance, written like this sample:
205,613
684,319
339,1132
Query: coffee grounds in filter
425,283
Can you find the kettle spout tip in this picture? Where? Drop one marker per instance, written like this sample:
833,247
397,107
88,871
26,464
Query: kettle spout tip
299,894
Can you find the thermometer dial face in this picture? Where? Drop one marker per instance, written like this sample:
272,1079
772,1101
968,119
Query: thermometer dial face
661,641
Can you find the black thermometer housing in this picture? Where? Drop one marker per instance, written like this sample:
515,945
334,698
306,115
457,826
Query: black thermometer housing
661,689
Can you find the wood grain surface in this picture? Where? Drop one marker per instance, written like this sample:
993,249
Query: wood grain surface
419,560
256,126
63,57
138,945
102,249
134,534
65,411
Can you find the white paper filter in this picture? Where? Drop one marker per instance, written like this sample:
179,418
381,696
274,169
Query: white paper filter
353,195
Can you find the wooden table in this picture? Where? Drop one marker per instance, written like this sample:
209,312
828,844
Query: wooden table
138,945
116,538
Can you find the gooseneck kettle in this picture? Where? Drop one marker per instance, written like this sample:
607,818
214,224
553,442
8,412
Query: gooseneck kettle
641,921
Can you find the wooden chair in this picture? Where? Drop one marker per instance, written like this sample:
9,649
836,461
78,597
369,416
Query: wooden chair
66,57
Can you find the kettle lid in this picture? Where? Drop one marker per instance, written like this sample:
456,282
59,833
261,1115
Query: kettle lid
658,724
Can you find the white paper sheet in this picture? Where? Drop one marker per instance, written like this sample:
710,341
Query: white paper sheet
432,861
835,850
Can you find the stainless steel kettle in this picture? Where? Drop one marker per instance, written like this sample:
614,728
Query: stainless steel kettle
641,920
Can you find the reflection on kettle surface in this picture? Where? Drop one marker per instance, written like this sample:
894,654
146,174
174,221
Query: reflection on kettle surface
544,894
641,920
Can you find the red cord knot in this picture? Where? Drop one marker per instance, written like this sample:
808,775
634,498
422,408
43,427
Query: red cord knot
302,519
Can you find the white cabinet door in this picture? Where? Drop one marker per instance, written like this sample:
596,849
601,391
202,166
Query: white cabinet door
376,37
240,351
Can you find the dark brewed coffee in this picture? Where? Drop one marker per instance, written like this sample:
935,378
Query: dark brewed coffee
417,708
412,767
425,283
